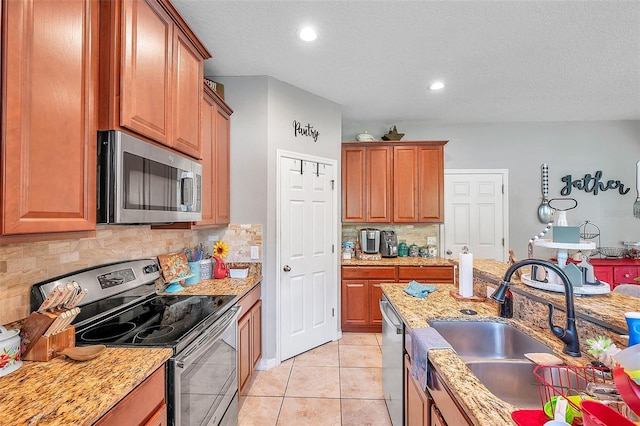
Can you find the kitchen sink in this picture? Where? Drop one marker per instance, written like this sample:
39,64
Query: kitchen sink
512,381
487,339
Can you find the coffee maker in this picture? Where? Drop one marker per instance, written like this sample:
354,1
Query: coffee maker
369,240
388,244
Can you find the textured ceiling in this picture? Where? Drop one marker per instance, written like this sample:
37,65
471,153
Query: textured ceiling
501,60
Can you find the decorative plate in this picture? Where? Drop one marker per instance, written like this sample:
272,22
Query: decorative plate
174,266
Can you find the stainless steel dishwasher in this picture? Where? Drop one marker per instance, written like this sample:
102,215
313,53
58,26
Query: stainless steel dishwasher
392,361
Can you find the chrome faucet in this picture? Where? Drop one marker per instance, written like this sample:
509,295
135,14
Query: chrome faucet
569,334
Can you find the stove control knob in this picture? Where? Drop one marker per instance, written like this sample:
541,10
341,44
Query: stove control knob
286,268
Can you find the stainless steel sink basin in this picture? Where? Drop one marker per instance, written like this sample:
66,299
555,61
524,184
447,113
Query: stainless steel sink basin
486,339
511,381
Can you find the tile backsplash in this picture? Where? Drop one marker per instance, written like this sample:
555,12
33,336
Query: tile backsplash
22,265
409,233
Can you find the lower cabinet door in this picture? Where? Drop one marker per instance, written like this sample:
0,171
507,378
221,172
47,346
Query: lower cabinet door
244,351
355,303
417,404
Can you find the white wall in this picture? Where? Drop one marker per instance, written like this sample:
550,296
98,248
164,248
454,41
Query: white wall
262,122
574,148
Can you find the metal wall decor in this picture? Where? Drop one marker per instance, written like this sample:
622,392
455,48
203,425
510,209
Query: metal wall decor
591,184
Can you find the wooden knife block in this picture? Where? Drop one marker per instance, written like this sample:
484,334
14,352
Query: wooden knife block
47,348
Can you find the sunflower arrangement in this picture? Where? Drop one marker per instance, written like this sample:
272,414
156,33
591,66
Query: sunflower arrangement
220,249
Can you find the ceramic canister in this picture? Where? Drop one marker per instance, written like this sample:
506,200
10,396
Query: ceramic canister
9,350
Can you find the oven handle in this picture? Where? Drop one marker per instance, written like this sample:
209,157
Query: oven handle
208,338
188,193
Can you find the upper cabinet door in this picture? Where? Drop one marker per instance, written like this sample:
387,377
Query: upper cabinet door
221,167
431,184
49,60
405,188
145,79
187,92
379,177
353,184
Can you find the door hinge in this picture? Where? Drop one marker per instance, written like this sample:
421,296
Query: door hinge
333,248
502,242
503,188
333,312
333,184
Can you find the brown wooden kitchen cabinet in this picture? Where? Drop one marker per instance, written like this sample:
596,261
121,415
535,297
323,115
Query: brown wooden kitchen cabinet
215,128
393,182
426,274
418,184
145,405
49,88
366,179
250,337
361,293
151,73
417,405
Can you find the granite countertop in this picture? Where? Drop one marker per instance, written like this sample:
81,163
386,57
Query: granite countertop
482,406
602,307
66,392
400,261
233,286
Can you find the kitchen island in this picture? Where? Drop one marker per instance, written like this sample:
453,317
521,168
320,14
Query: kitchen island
602,314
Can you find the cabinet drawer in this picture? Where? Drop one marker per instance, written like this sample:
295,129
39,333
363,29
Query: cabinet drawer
368,272
625,274
440,274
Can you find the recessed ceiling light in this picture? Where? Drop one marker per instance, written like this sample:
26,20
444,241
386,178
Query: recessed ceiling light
307,34
436,85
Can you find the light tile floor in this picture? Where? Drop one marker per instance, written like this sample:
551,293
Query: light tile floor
338,383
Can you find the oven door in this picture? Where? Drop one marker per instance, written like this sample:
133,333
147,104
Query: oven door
205,376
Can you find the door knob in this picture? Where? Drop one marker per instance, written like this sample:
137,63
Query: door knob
286,268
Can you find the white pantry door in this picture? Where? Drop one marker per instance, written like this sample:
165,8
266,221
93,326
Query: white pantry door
475,213
308,275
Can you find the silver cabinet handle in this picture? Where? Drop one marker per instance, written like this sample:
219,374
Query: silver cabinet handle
286,268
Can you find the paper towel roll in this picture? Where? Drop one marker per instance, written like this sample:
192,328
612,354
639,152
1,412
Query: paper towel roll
465,261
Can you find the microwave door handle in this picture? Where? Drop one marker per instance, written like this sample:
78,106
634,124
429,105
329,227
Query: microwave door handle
190,200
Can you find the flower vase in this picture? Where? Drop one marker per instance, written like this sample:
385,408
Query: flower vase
220,270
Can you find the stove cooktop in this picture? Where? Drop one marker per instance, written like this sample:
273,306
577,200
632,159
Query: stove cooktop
158,321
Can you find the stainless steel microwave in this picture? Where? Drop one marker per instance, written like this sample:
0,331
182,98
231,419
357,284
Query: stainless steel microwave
140,183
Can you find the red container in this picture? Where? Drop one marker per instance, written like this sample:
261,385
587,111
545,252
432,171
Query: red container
595,413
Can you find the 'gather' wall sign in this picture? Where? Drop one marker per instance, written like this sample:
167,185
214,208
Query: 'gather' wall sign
300,130
592,184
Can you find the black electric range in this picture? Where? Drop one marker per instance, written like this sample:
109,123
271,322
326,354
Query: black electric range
122,308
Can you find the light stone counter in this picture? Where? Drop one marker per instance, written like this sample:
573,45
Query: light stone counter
232,286
65,392
482,406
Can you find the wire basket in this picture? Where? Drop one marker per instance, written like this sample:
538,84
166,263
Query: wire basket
566,381
612,251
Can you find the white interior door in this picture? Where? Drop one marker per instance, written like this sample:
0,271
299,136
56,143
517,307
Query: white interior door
308,275
475,213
